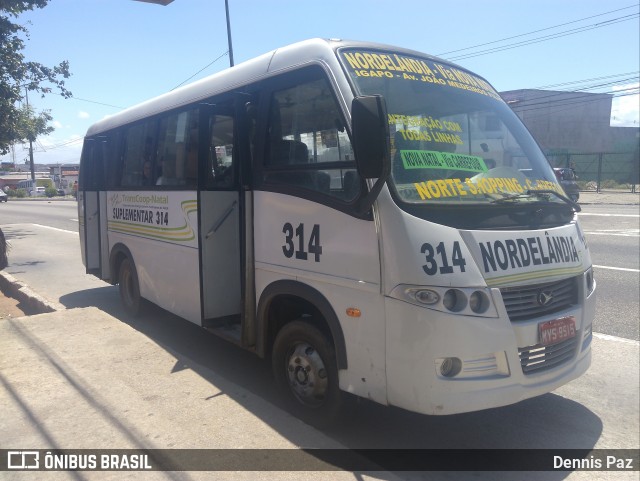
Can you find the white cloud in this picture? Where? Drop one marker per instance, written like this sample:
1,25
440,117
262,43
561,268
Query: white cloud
56,124
625,109
83,115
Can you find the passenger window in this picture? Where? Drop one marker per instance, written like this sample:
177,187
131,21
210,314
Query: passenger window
177,162
138,152
307,144
220,162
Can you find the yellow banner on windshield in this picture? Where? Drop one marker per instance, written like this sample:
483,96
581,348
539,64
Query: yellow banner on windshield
414,69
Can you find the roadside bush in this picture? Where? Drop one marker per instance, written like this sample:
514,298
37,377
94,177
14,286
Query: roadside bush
50,191
21,193
4,248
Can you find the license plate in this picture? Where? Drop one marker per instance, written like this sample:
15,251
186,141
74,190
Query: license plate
558,330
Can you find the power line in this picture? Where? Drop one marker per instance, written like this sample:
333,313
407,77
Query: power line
570,103
537,99
586,80
537,31
203,68
530,118
547,37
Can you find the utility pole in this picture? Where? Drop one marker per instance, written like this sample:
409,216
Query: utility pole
33,170
226,7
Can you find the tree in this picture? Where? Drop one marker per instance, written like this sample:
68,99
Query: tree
19,123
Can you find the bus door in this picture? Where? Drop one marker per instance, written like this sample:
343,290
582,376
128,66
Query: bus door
221,223
91,201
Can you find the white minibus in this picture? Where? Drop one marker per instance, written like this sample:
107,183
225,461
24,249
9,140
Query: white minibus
374,220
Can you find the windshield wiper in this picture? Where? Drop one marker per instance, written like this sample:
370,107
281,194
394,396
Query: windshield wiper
541,194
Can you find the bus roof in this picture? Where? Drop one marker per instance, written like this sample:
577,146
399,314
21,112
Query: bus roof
297,54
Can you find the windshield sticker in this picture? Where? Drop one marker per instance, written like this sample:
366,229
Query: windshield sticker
430,129
430,159
443,188
413,69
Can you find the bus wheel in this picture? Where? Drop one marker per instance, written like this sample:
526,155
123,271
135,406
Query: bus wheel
129,288
304,365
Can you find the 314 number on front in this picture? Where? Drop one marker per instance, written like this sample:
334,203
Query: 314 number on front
438,260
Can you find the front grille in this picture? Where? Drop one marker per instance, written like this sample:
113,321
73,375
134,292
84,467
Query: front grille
522,302
535,359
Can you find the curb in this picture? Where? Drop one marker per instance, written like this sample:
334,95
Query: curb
23,293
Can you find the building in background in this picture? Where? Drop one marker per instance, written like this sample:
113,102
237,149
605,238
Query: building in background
573,129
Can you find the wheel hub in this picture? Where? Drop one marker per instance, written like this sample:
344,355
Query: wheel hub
307,375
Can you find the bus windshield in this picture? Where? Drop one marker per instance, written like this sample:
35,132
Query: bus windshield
453,139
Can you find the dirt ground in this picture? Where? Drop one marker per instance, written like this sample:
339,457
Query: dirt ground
10,307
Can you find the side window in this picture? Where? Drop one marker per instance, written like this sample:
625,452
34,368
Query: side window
177,160
220,153
307,144
138,154
95,163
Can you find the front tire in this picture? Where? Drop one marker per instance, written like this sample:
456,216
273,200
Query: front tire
129,288
305,369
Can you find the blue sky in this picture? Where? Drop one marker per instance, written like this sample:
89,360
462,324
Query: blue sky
122,52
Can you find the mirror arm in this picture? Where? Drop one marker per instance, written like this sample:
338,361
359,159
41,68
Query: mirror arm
365,203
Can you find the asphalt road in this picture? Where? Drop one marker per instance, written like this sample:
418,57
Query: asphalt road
613,234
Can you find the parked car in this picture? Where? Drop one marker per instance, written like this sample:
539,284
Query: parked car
567,178
3,196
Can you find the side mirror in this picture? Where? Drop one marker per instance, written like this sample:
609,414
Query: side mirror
370,128
370,131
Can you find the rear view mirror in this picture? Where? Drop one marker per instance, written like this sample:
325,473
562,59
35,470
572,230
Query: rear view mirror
370,128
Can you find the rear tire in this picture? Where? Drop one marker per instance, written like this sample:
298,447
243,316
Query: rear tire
305,369
129,288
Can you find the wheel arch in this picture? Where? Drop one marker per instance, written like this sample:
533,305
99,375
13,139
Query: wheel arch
292,299
118,254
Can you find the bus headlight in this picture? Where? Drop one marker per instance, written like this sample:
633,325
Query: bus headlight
479,302
454,300
427,296
465,301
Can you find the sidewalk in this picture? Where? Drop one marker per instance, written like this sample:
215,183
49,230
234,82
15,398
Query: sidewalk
609,197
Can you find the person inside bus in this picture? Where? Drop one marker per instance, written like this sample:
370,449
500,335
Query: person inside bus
191,165
147,173
168,173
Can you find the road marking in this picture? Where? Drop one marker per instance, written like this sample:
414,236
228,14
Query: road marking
607,337
617,268
618,232
55,228
609,215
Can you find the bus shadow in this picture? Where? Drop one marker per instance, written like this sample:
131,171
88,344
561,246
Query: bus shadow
546,422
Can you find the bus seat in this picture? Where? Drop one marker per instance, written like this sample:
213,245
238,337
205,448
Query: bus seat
351,185
323,182
291,152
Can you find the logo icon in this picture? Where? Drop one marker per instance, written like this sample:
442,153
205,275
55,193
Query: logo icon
23,459
545,298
